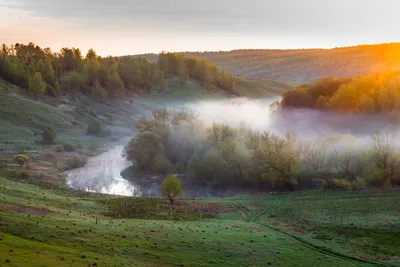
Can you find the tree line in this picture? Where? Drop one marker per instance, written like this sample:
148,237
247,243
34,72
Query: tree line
43,72
178,142
367,94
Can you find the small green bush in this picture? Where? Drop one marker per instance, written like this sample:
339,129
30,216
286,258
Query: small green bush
92,112
359,184
94,128
69,147
49,135
375,178
171,189
76,162
60,149
24,175
341,184
320,183
21,159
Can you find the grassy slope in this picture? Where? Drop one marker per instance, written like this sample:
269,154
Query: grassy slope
305,65
260,88
22,118
57,229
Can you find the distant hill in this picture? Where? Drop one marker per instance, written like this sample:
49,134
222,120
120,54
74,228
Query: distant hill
305,65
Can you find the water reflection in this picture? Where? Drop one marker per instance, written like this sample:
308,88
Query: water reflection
102,175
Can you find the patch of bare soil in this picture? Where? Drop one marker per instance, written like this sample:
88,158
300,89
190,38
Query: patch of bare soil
30,210
295,229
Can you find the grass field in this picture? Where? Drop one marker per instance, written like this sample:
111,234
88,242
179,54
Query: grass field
43,227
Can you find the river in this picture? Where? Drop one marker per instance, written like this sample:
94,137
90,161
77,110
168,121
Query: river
102,175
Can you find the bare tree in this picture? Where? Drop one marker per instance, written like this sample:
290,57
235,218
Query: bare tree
384,157
344,155
315,154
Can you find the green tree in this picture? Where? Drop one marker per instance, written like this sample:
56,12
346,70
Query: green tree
279,159
182,72
114,85
94,128
73,81
207,79
143,149
49,135
36,85
98,91
171,189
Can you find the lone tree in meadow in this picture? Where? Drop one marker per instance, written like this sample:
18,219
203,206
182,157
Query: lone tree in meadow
171,189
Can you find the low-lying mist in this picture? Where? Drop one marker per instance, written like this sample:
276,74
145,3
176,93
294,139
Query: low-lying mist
305,123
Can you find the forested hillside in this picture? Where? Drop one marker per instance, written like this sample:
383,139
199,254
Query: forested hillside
369,94
305,65
41,71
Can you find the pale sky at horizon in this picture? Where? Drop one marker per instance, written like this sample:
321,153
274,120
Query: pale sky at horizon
121,27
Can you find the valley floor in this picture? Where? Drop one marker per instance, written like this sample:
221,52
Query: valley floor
46,227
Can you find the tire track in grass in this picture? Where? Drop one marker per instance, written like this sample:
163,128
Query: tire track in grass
255,215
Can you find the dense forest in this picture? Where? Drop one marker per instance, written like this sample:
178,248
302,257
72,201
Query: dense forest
177,141
300,66
368,94
42,72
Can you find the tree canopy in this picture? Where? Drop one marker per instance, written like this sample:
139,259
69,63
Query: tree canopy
41,71
171,189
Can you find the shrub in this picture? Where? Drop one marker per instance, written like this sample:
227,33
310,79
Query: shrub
69,147
341,184
359,184
92,112
375,178
49,135
21,159
76,162
94,128
24,175
320,183
60,148
161,164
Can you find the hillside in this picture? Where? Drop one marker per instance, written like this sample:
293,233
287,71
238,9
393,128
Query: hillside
305,65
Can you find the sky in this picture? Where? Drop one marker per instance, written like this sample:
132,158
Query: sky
120,27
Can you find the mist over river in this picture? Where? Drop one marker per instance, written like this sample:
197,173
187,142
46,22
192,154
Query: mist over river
102,173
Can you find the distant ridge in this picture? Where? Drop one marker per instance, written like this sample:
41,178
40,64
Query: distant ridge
304,65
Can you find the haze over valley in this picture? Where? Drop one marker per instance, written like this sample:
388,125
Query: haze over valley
199,134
